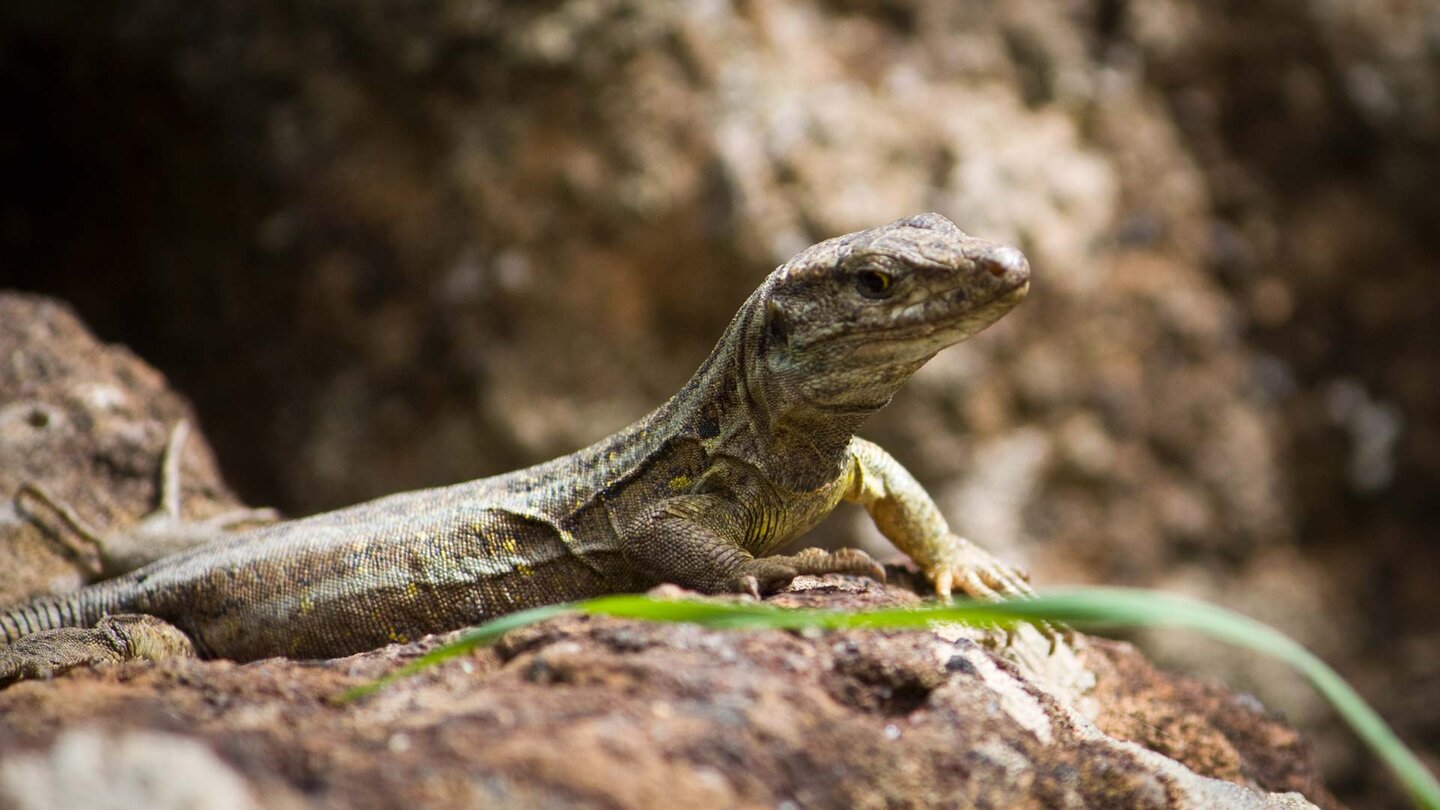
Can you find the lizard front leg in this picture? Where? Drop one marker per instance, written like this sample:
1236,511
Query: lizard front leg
908,517
123,637
696,541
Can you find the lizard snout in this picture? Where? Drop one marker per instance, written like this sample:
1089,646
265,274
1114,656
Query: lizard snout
1005,263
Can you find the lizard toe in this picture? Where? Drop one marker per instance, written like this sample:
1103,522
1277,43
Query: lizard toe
747,585
858,563
847,561
763,576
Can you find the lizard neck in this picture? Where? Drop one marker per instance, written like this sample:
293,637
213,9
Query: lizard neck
728,406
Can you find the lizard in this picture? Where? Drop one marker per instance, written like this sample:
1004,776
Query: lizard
158,534
752,452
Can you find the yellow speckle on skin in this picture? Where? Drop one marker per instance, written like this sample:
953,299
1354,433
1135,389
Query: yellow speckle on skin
306,604
412,590
509,545
398,638
679,482
525,570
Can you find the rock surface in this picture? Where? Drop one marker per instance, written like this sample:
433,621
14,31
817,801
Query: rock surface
585,712
580,711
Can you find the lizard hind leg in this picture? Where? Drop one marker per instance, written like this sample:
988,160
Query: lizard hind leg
90,550
114,639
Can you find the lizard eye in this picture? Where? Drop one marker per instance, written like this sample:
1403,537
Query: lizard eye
873,284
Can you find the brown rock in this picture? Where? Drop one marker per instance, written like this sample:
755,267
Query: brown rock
603,712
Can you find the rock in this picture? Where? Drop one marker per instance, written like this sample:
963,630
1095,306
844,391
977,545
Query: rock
596,711
85,767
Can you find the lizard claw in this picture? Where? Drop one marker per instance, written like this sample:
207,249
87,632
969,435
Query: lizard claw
979,574
984,576
944,584
849,561
749,586
766,575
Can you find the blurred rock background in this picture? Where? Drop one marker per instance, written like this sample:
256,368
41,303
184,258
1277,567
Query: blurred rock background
392,245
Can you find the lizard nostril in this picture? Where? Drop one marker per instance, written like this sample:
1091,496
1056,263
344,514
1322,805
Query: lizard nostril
1005,262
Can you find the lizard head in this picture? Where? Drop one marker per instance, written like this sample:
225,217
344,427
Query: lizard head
848,320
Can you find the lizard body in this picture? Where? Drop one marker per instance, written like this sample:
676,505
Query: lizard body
753,451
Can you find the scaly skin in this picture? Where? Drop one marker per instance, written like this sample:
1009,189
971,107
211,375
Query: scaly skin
756,448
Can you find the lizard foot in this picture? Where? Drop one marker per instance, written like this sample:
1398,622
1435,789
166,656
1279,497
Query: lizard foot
851,561
766,575
981,575
112,640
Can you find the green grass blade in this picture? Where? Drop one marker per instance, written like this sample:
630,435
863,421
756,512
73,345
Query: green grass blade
1090,608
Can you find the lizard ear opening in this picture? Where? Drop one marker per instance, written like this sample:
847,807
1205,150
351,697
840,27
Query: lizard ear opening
776,336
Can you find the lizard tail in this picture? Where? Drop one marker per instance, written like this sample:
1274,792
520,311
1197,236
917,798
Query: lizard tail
81,609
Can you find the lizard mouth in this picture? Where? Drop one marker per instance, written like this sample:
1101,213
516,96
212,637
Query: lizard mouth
949,309
955,311
938,316
1018,290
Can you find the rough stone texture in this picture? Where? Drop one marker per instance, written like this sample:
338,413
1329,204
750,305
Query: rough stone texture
392,245
587,712
86,767
1203,725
